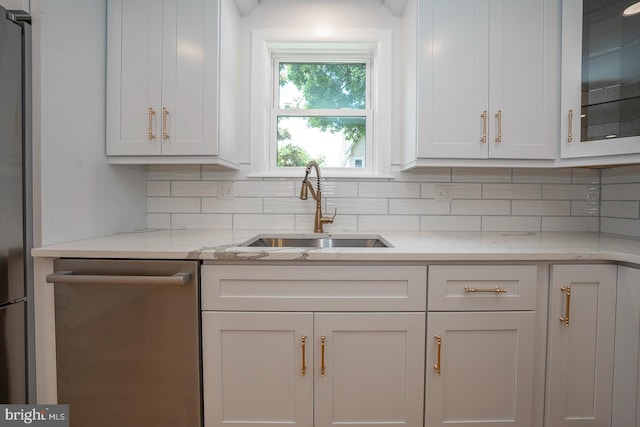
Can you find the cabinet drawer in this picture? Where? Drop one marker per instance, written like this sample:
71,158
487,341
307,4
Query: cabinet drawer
479,288
309,288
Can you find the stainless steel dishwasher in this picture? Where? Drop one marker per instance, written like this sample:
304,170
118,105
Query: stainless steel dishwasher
127,342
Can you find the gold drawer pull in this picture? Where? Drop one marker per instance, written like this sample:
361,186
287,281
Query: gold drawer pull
165,113
570,136
437,365
497,290
567,307
322,342
499,117
304,362
484,127
151,114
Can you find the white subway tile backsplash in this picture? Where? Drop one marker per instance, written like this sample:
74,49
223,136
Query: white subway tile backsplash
565,191
540,207
630,210
358,206
542,176
231,206
511,191
511,223
173,204
624,174
173,172
275,188
194,189
263,222
450,223
201,221
481,207
417,207
158,188
551,223
389,190
624,227
621,191
485,175
483,199
458,190
388,222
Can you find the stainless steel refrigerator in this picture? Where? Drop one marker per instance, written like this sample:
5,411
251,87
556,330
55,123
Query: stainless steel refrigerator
15,204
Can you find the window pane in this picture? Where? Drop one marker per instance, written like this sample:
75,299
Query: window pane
331,141
322,85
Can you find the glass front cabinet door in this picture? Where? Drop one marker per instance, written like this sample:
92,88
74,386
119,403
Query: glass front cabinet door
600,78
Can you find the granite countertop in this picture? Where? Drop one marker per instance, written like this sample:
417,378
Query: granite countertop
224,245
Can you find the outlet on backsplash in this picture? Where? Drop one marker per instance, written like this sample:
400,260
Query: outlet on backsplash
593,201
225,190
444,193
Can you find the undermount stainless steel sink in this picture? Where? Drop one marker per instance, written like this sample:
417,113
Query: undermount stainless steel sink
322,241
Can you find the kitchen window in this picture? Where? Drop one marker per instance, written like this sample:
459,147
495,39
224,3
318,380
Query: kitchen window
325,98
321,111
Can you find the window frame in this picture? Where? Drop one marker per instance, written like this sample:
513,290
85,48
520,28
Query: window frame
320,58
266,44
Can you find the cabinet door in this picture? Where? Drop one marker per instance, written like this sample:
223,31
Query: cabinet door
581,328
134,56
600,74
486,368
453,78
189,111
253,369
373,369
162,77
523,79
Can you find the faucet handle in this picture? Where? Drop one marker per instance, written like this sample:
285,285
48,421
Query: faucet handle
329,219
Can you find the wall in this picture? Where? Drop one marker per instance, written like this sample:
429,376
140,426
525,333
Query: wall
502,199
621,201
76,195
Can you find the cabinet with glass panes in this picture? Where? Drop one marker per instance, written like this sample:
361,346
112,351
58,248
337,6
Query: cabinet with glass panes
600,78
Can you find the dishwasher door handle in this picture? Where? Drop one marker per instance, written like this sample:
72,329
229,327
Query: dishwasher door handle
102,279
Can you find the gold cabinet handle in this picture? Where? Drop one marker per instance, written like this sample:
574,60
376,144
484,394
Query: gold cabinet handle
165,113
570,135
322,344
499,117
151,114
497,290
567,306
484,127
437,365
304,350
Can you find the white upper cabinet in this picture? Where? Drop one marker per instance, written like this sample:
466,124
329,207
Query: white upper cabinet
600,80
486,79
163,78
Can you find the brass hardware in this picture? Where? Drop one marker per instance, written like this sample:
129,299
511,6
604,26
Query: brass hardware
499,117
319,219
165,113
437,365
484,127
567,307
322,367
497,290
151,114
570,136
304,363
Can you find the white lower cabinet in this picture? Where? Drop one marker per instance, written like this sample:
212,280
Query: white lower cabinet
320,369
480,368
484,366
581,345
360,365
